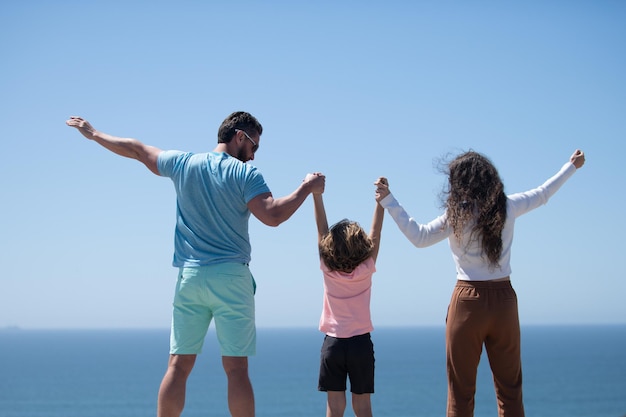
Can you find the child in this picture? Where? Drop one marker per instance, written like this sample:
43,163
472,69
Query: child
478,223
347,260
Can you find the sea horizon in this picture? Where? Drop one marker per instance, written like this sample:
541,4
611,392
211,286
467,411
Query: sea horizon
297,326
569,371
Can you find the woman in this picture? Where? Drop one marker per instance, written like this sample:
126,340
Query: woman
479,219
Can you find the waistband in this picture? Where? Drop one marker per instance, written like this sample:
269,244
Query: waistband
357,337
484,284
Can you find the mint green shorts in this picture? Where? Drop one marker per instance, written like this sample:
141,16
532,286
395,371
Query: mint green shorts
222,292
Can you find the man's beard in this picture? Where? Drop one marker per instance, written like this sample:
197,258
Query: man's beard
241,155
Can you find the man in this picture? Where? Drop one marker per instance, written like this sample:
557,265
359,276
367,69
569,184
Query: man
216,192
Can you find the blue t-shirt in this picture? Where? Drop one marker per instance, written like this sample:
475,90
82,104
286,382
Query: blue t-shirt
212,192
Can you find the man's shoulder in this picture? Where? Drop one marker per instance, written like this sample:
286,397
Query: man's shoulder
239,166
172,154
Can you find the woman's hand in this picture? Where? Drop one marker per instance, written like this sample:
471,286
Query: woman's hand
382,189
578,158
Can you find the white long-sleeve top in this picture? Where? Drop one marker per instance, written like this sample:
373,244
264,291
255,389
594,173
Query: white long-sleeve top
470,263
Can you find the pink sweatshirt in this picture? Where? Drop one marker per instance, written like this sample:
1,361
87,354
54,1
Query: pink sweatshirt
346,309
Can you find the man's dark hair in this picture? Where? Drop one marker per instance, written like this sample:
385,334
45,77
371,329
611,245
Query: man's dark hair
239,120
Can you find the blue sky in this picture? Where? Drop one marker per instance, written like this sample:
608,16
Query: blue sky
353,89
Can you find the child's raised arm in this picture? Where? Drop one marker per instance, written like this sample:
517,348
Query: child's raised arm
320,216
377,221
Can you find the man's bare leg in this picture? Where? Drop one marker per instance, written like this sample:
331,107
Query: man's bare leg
172,392
240,393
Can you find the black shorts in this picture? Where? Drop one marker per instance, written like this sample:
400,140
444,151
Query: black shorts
352,358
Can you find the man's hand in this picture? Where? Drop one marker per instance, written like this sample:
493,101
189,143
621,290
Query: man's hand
316,181
83,126
126,147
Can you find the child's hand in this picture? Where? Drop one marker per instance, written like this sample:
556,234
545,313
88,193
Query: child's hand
382,189
317,182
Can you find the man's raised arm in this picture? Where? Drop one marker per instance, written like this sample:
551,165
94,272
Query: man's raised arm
127,147
274,211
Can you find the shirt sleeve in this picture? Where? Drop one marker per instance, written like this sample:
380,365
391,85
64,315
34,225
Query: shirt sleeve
168,161
255,185
522,203
420,235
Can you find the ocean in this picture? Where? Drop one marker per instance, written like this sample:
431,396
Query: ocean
573,371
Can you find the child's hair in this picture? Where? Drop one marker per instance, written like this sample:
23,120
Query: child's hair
345,246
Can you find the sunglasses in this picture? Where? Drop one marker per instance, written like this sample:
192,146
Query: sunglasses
255,146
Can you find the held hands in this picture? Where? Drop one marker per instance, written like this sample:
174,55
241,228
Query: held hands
577,158
316,181
382,189
83,126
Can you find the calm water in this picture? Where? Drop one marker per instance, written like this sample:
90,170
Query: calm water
568,371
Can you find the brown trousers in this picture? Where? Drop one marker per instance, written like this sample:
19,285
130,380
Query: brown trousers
483,312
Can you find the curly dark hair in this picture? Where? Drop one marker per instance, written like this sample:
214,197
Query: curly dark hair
476,198
345,246
240,120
